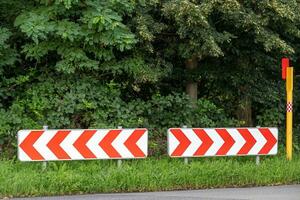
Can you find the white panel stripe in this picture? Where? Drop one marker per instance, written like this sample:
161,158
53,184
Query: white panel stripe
239,141
118,143
67,145
41,145
23,156
195,142
172,143
274,150
93,144
22,134
260,141
217,142
142,143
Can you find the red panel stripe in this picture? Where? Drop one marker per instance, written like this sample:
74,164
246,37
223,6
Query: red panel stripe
106,143
206,142
184,142
271,141
228,142
131,145
80,144
54,144
250,141
27,145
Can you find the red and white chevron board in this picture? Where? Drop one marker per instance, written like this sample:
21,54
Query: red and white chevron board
39,145
198,142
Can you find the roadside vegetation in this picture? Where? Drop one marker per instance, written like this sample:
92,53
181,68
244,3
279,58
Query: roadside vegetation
152,174
145,63
152,64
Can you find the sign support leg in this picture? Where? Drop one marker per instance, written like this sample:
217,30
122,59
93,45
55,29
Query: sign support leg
257,160
44,164
186,160
119,162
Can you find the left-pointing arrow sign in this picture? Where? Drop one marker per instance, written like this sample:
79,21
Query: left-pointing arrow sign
80,144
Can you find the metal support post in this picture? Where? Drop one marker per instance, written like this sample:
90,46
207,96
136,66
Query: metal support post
257,160
186,160
44,164
119,162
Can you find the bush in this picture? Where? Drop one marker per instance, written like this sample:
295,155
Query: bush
89,104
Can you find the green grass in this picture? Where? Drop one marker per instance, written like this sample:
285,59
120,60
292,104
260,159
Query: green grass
77,177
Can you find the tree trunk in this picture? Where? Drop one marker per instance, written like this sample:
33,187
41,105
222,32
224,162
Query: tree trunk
244,112
192,86
244,106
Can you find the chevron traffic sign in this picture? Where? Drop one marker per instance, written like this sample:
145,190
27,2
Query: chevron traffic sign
198,142
46,145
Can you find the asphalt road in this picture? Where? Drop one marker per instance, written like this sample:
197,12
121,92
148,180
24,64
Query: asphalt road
290,192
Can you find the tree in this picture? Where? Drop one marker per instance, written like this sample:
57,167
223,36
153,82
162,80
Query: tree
198,37
249,35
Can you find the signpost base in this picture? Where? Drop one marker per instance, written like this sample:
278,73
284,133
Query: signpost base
44,164
257,160
186,161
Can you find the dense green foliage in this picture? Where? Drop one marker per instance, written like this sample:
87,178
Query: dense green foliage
61,178
89,63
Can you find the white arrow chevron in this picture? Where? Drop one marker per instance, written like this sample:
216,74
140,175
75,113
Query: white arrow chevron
217,142
118,143
22,134
195,142
142,143
274,150
239,141
260,141
67,145
41,145
93,143
172,142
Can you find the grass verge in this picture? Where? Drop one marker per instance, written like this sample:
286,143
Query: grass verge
77,177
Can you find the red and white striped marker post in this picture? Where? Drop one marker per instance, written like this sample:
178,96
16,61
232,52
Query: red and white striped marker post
200,142
68,144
